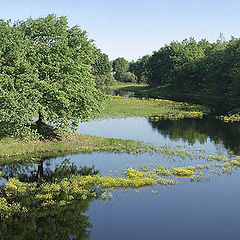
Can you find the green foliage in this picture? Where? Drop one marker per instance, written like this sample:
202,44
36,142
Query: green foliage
45,71
128,77
120,67
104,79
178,63
102,65
193,67
101,69
140,68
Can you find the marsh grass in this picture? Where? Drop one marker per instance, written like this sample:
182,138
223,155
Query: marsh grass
155,109
170,92
20,198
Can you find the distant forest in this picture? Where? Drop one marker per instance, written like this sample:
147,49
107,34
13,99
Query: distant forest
190,66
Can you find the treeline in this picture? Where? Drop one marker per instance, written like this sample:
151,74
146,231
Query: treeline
101,69
192,66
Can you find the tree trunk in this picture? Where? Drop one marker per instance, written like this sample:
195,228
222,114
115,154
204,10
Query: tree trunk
40,118
40,173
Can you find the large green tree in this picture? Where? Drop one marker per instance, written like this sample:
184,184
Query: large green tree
120,67
45,71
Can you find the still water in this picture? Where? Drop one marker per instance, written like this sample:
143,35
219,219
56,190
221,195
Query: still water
205,209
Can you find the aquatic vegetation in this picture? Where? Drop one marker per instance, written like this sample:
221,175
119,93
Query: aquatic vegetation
174,116
46,223
235,163
177,152
231,118
144,167
210,158
200,177
200,166
183,172
19,198
226,167
177,172
163,171
192,168
132,173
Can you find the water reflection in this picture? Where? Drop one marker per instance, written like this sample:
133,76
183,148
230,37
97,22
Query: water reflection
192,130
185,212
62,221
45,171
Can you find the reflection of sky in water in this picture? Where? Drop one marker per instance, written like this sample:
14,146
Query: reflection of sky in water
208,211
108,163
187,211
137,128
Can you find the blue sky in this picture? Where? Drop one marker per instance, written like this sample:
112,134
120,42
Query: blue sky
133,28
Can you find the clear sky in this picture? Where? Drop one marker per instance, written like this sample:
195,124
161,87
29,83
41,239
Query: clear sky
133,28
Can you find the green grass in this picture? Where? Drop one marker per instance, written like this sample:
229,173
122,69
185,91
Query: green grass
166,91
12,149
117,106
169,91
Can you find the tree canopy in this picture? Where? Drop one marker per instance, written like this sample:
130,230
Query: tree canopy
102,68
193,67
140,68
121,67
45,72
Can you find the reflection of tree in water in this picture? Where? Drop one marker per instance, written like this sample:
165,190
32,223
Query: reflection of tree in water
66,223
62,222
35,172
192,130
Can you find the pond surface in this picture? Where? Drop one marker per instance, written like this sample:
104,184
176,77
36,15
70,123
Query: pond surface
207,208
210,134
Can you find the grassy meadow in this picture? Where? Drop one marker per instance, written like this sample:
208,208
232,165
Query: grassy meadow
117,106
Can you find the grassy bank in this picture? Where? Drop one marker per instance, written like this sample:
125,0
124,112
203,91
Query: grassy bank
165,92
118,106
12,150
178,94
